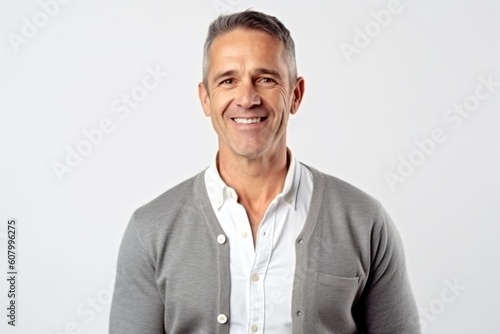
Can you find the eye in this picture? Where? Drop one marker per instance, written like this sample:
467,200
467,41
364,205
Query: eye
267,81
227,82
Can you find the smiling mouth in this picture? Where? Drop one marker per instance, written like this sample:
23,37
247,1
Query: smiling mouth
254,120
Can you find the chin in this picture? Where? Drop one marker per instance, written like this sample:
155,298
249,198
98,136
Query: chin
246,151
253,152
249,149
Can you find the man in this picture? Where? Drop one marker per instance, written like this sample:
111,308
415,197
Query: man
258,242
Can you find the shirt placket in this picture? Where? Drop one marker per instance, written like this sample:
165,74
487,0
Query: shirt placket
263,250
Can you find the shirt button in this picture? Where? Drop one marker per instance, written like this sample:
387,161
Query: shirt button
288,200
212,189
221,318
244,234
254,328
255,277
221,239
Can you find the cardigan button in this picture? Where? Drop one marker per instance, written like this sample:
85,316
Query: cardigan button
221,239
221,318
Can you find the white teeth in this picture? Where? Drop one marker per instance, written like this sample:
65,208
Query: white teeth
247,120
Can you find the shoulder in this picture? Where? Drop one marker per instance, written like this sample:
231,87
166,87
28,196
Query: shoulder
342,196
172,203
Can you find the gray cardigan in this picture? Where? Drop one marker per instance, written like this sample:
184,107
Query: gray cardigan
173,271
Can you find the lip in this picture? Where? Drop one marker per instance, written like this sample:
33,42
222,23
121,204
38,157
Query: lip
243,126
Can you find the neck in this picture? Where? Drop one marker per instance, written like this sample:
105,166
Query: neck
256,181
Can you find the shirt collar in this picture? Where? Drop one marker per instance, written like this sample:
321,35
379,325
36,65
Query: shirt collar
219,192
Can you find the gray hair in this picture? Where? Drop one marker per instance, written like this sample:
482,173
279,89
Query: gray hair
253,20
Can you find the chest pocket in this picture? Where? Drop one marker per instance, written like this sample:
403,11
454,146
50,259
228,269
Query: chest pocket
334,300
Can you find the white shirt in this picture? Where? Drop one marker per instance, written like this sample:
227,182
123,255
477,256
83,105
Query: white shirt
262,277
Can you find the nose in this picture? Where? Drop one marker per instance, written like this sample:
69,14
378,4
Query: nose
246,95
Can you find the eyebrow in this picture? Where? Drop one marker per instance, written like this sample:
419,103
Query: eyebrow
270,72
259,71
223,74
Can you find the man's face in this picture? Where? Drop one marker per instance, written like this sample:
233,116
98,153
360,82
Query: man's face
249,96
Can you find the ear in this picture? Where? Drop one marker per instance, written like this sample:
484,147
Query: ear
298,93
204,99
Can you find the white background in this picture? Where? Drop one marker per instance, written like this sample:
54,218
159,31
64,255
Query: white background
358,117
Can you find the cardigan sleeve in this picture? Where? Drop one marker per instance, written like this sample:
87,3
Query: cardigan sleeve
137,307
389,304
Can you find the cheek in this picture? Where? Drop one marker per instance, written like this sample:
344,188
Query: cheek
220,103
283,107
284,99
274,100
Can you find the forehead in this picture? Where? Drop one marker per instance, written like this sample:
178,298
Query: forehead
245,45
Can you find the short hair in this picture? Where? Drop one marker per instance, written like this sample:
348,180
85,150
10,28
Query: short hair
253,20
